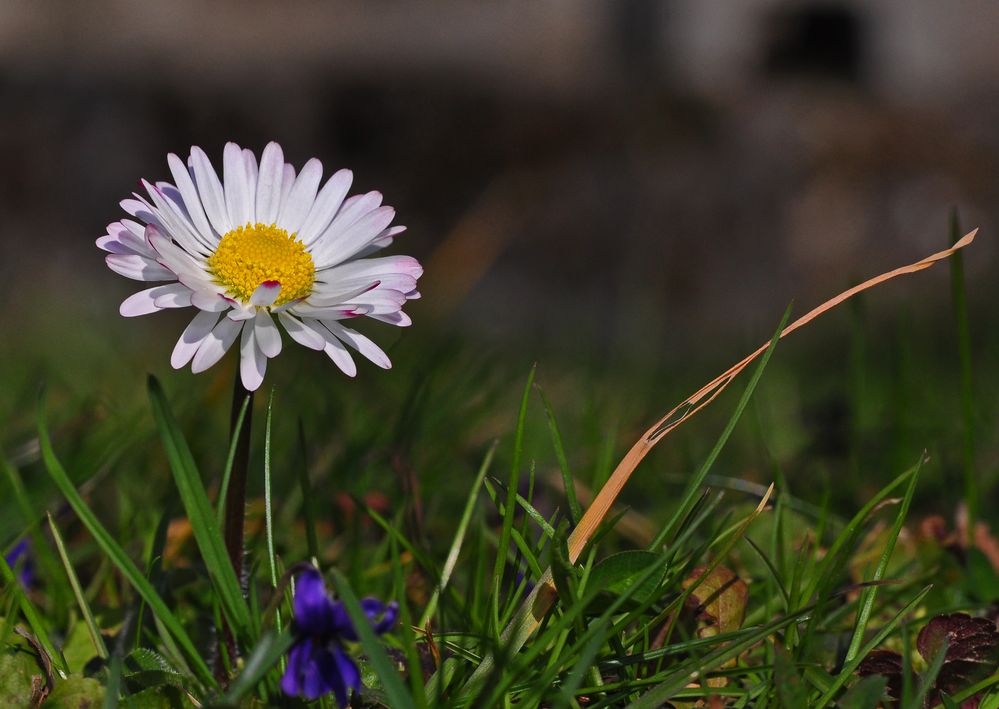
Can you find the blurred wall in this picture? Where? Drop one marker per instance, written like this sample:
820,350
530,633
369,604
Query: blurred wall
629,171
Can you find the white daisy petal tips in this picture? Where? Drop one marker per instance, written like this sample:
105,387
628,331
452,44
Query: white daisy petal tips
263,241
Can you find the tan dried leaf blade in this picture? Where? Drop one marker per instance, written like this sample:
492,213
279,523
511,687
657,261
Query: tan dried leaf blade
539,602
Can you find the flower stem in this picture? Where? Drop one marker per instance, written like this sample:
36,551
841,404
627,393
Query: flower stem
235,495
235,513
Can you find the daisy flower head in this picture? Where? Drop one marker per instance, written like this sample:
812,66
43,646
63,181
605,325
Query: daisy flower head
261,246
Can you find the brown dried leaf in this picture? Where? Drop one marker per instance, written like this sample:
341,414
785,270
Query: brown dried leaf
888,664
972,650
720,599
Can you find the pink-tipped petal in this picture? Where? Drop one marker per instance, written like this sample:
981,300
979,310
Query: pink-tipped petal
139,268
265,294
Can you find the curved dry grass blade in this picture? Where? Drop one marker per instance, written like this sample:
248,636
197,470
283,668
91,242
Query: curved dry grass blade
537,604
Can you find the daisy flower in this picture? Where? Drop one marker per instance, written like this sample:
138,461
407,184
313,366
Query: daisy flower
263,245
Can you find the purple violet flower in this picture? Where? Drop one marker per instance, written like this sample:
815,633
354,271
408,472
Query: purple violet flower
318,663
26,576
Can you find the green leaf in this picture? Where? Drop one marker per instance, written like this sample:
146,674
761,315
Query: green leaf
268,652
76,693
117,555
199,512
618,572
865,694
18,670
791,689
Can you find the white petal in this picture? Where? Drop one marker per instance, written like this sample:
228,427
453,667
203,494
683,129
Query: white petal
334,349
120,239
215,345
210,189
326,205
356,207
269,184
267,334
287,182
372,268
383,240
141,210
340,293
337,248
185,185
252,362
398,318
265,294
305,336
173,256
139,268
174,223
144,302
336,312
198,329
301,198
361,343
210,302
250,161
241,311
382,300
175,295
237,186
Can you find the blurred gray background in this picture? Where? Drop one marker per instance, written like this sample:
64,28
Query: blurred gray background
576,173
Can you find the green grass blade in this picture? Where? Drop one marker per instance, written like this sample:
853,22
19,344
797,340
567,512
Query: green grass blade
271,648
850,667
392,683
459,537
690,494
866,604
268,517
116,554
929,677
74,582
31,615
575,511
199,512
518,449
699,666
229,460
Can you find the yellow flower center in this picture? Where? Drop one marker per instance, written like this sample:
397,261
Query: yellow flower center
256,253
